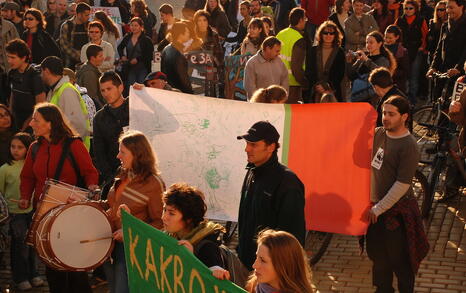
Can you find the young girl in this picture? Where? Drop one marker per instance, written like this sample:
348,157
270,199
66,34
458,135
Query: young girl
256,35
22,257
280,265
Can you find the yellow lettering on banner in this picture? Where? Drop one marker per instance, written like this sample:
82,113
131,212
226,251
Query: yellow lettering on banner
195,274
150,263
216,290
132,253
178,274
163,267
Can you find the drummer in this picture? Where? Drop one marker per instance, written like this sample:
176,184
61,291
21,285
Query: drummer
51,131
139,189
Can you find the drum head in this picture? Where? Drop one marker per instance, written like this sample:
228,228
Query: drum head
77,223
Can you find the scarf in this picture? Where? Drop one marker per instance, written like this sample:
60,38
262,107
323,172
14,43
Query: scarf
204,229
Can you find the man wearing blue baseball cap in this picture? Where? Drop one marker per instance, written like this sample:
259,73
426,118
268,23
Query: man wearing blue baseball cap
272,195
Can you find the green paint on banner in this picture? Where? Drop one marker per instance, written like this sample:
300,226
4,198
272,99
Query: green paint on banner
156,263
286,134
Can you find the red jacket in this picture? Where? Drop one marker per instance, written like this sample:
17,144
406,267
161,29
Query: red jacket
35,172
317,11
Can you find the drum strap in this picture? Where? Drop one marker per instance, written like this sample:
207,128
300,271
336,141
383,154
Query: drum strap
67,153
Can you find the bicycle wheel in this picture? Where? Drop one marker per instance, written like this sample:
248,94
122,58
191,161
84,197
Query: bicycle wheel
316,244
435,180
427,137
420,189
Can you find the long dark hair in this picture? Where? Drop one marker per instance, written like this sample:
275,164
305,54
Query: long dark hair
37,14
107,22
384,4
12,118
197,15
219,6
383,51
25,138
338,36
257,22
60,127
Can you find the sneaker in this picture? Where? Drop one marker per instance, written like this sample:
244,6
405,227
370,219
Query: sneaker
24,285
37,282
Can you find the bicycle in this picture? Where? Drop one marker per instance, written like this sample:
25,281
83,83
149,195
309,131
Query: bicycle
318,242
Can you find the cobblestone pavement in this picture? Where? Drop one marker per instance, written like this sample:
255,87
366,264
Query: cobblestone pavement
342,269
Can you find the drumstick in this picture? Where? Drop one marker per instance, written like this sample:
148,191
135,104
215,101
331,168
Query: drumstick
14,200
97,239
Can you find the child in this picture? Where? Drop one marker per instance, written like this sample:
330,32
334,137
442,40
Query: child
22,257
393,43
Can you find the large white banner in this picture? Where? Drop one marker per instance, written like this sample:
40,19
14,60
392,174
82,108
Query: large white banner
195,141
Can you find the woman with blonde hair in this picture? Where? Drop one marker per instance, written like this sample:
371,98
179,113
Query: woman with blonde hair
280,266
138,188
273,94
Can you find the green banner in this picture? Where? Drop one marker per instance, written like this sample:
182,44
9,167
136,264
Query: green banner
156,263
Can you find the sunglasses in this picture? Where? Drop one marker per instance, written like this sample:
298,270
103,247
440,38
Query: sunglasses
29,18
328,33
409,8
440,9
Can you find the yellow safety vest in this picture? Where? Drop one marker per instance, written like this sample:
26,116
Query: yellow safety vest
56,99
289,37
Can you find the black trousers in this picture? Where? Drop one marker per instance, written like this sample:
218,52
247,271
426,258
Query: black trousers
388,251
67,282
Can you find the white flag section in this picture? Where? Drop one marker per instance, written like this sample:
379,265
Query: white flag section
195,141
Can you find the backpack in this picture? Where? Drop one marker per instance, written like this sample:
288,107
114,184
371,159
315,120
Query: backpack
361,89
238,272
66,153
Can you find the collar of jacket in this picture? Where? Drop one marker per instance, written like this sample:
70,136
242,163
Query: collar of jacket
272,162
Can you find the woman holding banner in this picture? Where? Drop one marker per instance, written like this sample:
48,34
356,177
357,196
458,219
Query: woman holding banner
280,265
138,188
183,218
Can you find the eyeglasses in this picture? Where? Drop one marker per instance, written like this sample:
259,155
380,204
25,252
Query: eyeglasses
29,18
440,9
328,33
409,8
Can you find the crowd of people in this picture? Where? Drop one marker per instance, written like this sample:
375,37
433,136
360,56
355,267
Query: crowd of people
66,70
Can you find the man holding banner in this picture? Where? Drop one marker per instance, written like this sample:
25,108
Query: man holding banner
272,195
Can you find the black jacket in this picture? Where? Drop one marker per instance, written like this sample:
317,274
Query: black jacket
122,5
272,196
335,74
219,21
175,66
108,125
451,49
412,35
43,45
147,50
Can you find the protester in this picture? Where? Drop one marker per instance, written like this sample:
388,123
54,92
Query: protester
280,265
149,20
293,54
283,206
52,131
377,56
382,14
211,43
109,123
88,74
319,90
414,30
7,130
63,94
12,12
393,43
357,26
384,87
8,32
96,31
166,15
268,26
26,85
218,18
73,35
22,257
157,80
174,64
139,188
242,31
122,5
274,94
183,218
135,52
342,12
55,19
110,30
435,25
37,38
255,37
325,62
265,68
396,241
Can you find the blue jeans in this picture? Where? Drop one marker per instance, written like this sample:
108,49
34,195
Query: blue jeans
136,74
117,275
23,257
415,76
